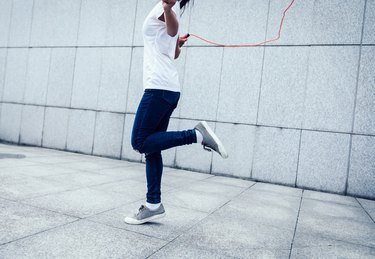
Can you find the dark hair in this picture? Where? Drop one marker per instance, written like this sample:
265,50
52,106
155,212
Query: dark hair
183,3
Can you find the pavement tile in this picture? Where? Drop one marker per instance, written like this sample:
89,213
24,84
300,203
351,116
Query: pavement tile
329,197
40,170
177,220
266,208
369,206
81,178
224,235
24,187
80,203
90,165
188,174
20,220
230,181
335,250
323,223
279,189
83,239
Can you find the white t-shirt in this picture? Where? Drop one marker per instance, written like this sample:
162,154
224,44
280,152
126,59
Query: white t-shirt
159,68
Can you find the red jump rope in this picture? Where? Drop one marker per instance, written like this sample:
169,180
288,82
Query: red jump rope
246,45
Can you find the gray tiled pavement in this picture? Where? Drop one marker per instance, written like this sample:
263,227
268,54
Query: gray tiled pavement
56,204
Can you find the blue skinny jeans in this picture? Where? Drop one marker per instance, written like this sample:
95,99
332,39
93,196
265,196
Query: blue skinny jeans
150,135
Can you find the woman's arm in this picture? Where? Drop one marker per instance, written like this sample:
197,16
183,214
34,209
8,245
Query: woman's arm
169,17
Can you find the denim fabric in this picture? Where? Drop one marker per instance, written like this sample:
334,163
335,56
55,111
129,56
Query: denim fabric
150,136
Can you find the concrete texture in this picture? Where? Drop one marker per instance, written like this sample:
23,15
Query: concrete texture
81,131
37,76
330,96
20,24
86,82
76,210
365,109
77,60
283,87
323,161
55,23
108,134
32,125
361,181
202,78
231,32
6,14
15,75
239,162
10,122
239,90
114,81
297,28
276,155
55,128
329,27
369,34
61,72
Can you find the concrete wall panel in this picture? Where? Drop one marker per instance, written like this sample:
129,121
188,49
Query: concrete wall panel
10,122
106,23
37,76
323,161
55,23
32,125
361,181
193,156
297,25
114,79
5,17
3,59
81,131
87,78
55,128
369,32
239,143
127,150
199,99
283,87
15,75
365,106
61,74
240,85
276,155
108,134
20,25
136,81
245,22
337,21
331,86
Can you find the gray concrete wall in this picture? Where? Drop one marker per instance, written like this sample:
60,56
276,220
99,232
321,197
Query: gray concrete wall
298,112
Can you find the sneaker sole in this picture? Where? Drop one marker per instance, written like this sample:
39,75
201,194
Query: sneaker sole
133,221
220,145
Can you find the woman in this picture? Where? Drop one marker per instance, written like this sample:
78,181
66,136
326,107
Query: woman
162,45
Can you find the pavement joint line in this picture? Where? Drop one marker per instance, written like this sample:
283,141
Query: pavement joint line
199,221
295,227
360,204
37,233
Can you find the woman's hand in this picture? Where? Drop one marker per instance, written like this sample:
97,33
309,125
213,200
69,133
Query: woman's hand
182,40
168,4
